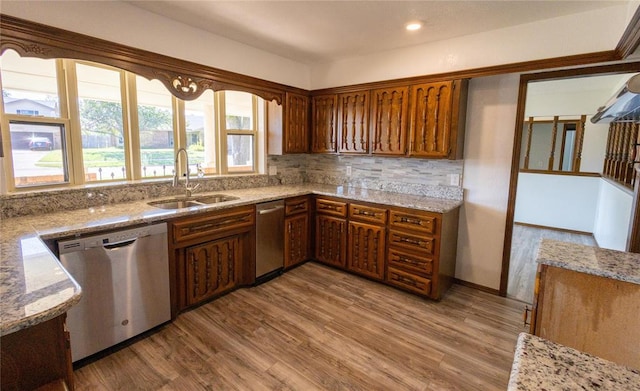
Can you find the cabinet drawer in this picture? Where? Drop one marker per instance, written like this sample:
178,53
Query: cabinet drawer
424,244
414,221
409,262
333,208
296,205
408,281
368,214
213,224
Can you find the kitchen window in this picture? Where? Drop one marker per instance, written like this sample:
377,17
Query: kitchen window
117,125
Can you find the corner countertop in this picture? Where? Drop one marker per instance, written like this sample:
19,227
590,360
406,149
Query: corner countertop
35,287
540,364
617,265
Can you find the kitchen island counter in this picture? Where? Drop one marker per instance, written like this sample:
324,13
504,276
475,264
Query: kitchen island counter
540,364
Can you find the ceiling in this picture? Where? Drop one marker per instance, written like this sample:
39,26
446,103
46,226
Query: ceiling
326,31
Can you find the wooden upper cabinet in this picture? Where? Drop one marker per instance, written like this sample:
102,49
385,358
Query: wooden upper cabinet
324,129
389,120
296,126
288,125
353,126
437,119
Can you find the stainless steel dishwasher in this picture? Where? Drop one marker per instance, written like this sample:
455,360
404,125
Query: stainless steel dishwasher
269,240
124,278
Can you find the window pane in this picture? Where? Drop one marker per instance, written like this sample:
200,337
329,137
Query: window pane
239,110
100,106
29,85
240,152
201,136
38,153
155,121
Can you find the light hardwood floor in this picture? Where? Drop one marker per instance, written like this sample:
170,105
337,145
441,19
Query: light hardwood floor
316,328
524,250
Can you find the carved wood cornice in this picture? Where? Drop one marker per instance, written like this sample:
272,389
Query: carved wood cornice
186,80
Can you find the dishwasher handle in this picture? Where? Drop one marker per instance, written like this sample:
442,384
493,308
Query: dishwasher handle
116,245
270,210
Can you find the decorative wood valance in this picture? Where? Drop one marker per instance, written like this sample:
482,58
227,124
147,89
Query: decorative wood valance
186,80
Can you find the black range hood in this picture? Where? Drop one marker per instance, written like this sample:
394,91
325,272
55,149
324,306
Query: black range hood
624,106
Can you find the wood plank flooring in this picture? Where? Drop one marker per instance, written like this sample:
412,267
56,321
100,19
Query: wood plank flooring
524,250
316,328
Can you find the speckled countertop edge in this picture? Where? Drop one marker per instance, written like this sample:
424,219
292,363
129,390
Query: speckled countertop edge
597,261
26,262
540,364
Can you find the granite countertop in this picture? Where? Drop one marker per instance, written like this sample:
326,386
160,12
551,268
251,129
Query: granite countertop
540,364
35,287
602,262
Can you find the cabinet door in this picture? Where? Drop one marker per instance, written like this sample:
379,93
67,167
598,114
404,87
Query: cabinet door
431,119
353,126
366,250
331,240
389,120
323,123
212,268
296,131
296,239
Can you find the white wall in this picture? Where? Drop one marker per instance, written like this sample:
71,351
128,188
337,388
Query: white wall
560,201
594,146
574,34
613,216
120,22
491,118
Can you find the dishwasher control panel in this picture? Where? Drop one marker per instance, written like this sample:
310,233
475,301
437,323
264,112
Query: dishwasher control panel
100,240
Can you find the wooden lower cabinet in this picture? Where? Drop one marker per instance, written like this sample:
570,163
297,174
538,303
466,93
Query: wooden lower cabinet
211,254
296,239
331,240
38,357
593,314
409,249
297,242
212,268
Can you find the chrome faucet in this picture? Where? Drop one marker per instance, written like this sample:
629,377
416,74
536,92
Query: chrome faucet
188,189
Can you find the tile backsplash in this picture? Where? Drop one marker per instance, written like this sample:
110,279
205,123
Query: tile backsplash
430,178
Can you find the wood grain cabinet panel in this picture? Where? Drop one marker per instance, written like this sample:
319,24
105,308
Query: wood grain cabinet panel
409,281
366,250
437,119
389,125
331,240
212,268
210,255
333,208
368,213
296,123
593,314
407,260
414,221
296,244
324,127
353,126
37,357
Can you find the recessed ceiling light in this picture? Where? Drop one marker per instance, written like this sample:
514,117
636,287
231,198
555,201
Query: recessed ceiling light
413,26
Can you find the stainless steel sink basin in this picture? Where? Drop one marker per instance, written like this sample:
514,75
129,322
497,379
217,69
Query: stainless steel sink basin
180,203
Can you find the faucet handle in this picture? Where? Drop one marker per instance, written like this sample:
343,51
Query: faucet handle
190,189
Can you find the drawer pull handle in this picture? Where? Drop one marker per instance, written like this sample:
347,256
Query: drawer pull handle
411,261
298,206
410,241
410,220
330,207
366,213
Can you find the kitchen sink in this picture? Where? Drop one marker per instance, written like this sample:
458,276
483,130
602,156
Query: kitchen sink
179,203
